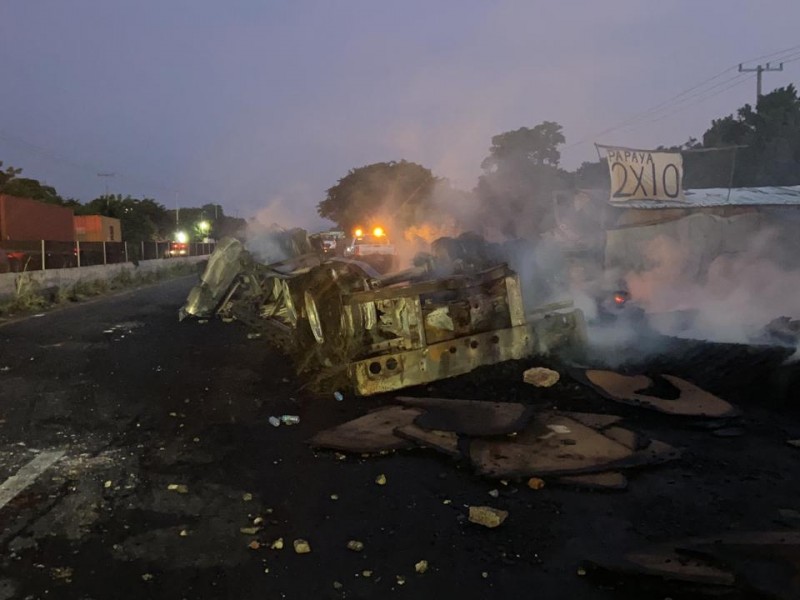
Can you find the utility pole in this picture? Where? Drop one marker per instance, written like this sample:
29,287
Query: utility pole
106,176
758,70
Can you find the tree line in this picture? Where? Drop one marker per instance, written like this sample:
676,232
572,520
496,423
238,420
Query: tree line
760,147
141,219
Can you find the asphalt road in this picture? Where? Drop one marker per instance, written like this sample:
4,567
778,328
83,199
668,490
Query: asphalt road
105,405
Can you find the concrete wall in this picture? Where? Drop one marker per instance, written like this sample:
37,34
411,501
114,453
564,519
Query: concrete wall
66,277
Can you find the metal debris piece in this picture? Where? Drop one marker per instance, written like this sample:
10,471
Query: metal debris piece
337,585
258,520
253,336
371,433
178,487
421,566
494,493
301,546
275,421
611,480
338,396
487,516
247,497
689,400
626,437
290,419
541,377
334,497
147,577
381,479
400,580
443,441
355,545
469,417
366,573
277,544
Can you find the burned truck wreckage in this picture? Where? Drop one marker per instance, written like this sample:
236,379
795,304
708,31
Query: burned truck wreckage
345,325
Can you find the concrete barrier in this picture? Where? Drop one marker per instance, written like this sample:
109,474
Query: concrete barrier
66,277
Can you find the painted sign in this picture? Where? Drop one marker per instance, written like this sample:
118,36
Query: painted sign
644,174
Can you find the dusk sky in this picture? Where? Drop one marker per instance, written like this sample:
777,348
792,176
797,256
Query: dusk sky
263,105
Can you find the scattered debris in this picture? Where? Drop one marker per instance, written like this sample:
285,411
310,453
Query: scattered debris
381,479
794,443
183,533
254,545
290,419
611,480
108,484
535,483
334,496
421,566
541,377
274,421
64,573
728,432
664,393
469,417
338,396
277,544
253,336
355,545
249,530
371,433
258,520
178,487
487,516
247,496
147,577
5,369
366,573
494,493
400,580
301,546
337,585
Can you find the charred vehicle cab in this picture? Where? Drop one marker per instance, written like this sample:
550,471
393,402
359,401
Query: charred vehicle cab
373,248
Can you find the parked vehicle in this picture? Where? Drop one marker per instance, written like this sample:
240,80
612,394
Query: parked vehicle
372,248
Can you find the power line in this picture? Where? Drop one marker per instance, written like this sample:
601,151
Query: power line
787,55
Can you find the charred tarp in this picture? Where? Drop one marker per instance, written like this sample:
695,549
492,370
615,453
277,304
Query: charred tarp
343,323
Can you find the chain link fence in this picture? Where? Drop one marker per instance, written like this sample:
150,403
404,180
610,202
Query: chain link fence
19,256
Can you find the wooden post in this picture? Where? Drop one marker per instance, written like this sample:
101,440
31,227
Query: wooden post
78,245
43,256
104,253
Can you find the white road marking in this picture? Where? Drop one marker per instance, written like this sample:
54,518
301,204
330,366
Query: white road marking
27,474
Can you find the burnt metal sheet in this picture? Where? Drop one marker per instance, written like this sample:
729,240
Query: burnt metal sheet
593,420
470,417
442,441
394,371
767,562
539,450
371,433
660,564
688,399
630,439
611,480
556,445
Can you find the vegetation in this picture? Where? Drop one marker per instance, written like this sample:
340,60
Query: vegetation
29,296
396,192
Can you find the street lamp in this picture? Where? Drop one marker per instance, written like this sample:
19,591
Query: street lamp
204,226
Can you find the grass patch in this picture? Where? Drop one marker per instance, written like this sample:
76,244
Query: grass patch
29,296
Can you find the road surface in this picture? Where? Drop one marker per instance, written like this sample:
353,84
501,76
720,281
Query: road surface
135,449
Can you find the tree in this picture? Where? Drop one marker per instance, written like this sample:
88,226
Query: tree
141,220
520,175
8,174
394,192
771,133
